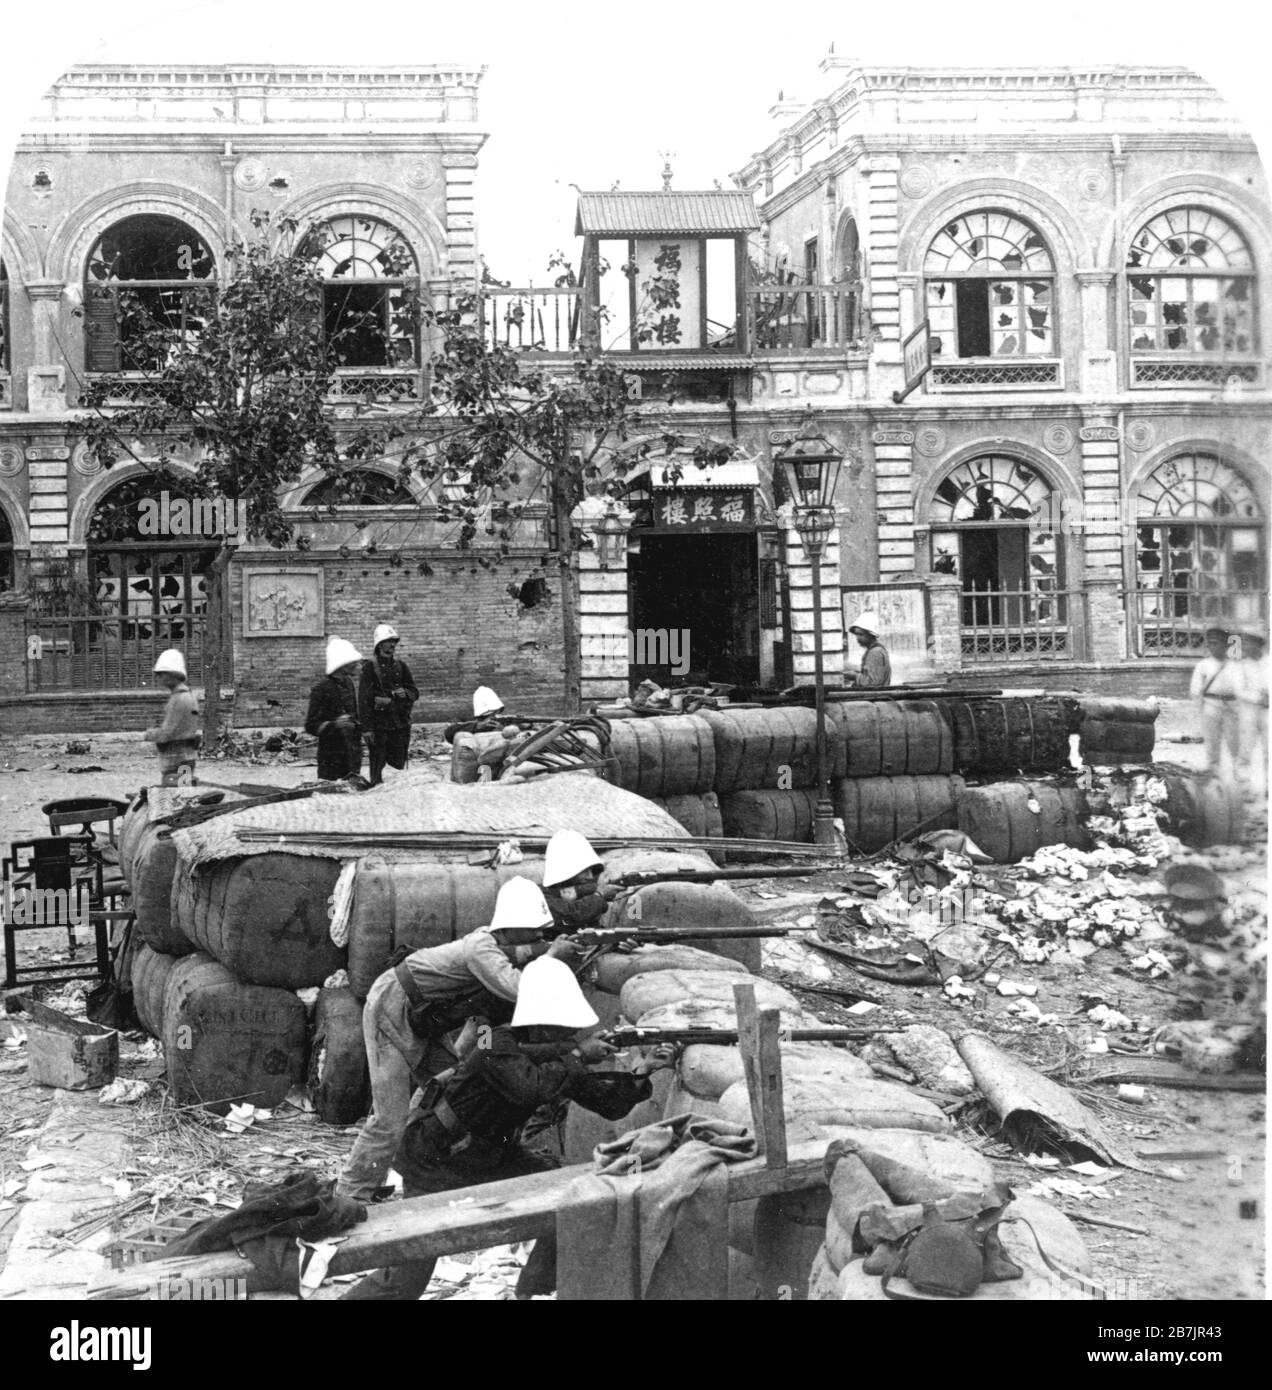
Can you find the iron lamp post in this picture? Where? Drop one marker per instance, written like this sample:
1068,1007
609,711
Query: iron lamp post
812,464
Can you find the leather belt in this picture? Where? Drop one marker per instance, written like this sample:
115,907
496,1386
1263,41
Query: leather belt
461,1136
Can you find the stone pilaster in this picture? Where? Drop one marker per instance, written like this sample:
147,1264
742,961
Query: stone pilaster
881,239
1105,617
945,601
46,377
461,214
894,496
1098,369
1101,513
48,509
602,629
800,580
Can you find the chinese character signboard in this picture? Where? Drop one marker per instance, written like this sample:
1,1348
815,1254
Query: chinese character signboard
903,628
667,290
690,509
916,353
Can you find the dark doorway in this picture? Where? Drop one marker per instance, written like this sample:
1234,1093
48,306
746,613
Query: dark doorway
994,560
694,602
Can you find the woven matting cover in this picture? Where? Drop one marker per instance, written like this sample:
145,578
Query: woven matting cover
410,805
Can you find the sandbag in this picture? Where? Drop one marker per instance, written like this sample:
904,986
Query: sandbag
644,993
1105,742
1010,733
1118,711
706,1071
671,755
707,1013
418,903
152,870
763,748
339,1076
150,973
226,1042
703,906
1203,811
932,1057
264,918
612,970
812,1102
471,752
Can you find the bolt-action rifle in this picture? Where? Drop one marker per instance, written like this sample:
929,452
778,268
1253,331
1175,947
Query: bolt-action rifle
725,1037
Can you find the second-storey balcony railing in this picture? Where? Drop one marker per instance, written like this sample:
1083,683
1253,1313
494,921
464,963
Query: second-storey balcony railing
541,320
805,318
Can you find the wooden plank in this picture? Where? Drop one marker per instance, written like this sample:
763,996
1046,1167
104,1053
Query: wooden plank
749,1047
772,1116
447,1223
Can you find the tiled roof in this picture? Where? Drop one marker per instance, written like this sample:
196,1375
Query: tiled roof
634,214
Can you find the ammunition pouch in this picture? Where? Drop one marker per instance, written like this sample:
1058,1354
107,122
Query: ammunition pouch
432,1019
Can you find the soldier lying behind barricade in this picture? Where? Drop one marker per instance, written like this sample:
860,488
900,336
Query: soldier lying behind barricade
416,1006
333,713
467,1128
177,739
489,716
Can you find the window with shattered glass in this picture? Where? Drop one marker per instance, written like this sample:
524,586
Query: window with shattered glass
368,273
1199,532
990,288
1190,285
995,524
4,318
6,553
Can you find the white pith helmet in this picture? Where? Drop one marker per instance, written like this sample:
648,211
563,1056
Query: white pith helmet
520,906
549,996
171,662
485,701
568,855
867,622
341,653
384,633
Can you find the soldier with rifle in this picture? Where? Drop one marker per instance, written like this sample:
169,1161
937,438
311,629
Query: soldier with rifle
417,1004
468,1126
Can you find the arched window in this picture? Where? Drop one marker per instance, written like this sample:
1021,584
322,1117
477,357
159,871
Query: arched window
1200,551
995,523
1190,286
154,584
146,273
359,487
6,553
368,271
990,288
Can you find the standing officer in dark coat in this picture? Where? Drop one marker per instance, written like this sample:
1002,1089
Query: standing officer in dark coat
467,1128
385,697
333,713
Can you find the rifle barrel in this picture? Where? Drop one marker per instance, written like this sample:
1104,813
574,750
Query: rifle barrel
649,1037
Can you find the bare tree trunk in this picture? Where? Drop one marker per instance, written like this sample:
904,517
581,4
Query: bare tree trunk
217,636
572,667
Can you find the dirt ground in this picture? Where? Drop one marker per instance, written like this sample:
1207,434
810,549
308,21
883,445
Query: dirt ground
1199,1217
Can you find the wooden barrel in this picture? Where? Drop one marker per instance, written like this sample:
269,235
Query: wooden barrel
226,1042
671,755
339,1077
764,749
1202,811
770,815
264,917
150,973
877,810
419,903
1001,821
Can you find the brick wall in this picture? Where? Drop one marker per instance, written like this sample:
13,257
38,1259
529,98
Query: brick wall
72,713
12,648
459,626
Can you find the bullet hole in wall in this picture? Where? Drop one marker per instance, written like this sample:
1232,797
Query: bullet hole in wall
279,185
41,179
531,593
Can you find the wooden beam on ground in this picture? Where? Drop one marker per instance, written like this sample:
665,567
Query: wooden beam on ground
447,1223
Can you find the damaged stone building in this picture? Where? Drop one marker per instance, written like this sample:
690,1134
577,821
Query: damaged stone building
143,176
1028,307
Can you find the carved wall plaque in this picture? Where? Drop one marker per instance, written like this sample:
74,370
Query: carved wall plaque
283,603
1108,433
893,436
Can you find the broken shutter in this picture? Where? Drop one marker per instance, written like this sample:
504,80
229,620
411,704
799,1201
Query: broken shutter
101,329
768,592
